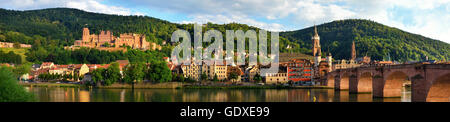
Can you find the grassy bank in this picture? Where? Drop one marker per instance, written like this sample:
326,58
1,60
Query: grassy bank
169,85
50,85
20,51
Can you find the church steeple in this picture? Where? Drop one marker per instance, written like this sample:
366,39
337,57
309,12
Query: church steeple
315,31
316,43
353,51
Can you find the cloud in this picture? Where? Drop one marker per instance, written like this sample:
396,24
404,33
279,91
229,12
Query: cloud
96,6
87,5
222,19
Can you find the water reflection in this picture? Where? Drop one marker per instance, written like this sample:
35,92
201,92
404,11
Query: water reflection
205,95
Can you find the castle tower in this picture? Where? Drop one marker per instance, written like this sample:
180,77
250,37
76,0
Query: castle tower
353,51
316,43
86,36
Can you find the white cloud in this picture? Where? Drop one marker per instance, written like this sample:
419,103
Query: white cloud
222,19
87,5
96,6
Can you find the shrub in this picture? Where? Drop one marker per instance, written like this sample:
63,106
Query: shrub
10,91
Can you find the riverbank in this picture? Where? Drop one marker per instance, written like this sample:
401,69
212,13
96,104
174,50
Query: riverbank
50,85
256,87
174,85
169,85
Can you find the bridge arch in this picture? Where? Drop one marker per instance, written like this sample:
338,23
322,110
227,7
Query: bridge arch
345,81
440,89
365,83
394,84
330,80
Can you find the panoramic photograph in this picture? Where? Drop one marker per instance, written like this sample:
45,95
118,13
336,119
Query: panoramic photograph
224,51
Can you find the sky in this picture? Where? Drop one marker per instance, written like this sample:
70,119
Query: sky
430,18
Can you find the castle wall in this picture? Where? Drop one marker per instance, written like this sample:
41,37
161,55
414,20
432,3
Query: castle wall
135,41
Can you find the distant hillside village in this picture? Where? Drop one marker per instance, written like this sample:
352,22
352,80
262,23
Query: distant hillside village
107,41
295,68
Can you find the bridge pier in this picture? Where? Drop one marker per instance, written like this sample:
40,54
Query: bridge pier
377,86
353,84
419,89
337,82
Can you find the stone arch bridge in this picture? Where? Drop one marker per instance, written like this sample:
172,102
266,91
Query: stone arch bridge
429,82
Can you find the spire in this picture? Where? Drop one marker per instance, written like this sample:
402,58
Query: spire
315,31
353,51
316,43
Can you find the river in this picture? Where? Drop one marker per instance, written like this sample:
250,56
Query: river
56,94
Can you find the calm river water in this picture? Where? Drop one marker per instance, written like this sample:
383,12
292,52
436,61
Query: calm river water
45,94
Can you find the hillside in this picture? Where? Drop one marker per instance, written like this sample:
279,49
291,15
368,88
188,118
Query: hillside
372,39
62,26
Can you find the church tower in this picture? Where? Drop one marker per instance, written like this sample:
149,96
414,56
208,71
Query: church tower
353,51
316,43
317,53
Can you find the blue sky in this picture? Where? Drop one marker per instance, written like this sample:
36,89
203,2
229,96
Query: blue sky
425,17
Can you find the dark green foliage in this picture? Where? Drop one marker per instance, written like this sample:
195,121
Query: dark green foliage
97,76
257,78
233,76
178,78
10,57
10,91
112,74
158,72
78,56
106,77
204,77
215,78
134,73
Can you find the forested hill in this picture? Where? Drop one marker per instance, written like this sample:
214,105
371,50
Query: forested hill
372,39
62,26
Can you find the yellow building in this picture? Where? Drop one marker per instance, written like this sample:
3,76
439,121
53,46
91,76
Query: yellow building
345,64
193,71
81,69
276,78
215,69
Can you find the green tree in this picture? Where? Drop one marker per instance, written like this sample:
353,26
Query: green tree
112,74
10,91
257,78
204,76
97,76
233,76
159,72
215,79
2,38
22,69
134,73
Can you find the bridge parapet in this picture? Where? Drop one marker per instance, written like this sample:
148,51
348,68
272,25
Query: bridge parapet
387,80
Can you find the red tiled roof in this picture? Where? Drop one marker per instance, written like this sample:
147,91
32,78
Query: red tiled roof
62,66
46,63
123,62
